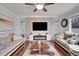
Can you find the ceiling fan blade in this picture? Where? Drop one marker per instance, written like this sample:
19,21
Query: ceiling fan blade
35,10
44,9
29,4
46,4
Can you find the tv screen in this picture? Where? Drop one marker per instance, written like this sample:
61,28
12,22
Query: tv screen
39,26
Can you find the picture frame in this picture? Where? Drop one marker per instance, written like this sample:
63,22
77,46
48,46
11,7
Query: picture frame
64,22
75,22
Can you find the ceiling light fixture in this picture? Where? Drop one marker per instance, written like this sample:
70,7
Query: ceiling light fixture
39,6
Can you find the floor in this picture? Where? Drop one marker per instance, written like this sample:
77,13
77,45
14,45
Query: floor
51,46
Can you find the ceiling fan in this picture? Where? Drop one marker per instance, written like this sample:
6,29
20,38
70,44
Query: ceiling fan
39,6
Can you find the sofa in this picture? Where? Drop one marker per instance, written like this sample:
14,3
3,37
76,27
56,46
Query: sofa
11,45
65,40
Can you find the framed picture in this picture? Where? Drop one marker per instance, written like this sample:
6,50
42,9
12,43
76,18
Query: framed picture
64,22
75,22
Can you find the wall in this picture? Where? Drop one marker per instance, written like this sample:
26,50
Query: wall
38,19
24,28
54,25
72,14
6,29
23,25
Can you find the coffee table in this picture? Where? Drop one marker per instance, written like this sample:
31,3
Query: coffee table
42,48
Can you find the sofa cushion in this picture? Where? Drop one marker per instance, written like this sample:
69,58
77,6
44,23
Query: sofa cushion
61,35
2,46
75,40
74,49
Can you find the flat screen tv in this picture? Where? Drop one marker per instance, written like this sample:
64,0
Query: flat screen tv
39,26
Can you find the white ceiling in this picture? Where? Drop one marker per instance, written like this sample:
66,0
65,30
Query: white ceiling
53,10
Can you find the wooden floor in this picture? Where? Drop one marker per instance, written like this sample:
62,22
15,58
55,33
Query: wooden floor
55,49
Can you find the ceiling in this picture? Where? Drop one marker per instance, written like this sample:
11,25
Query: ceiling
57,9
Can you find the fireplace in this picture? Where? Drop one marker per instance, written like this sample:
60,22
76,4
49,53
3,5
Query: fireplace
39,37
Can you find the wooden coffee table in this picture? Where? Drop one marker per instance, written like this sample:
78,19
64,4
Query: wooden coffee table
39,47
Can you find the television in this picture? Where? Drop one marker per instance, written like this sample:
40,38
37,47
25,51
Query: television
39,26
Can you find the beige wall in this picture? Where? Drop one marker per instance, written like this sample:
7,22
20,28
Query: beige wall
54,25
38,19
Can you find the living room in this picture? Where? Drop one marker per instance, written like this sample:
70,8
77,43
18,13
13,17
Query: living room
25,29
